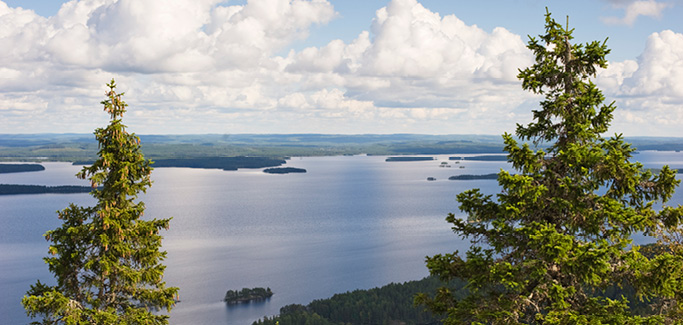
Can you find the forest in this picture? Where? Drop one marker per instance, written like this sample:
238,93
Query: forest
390,304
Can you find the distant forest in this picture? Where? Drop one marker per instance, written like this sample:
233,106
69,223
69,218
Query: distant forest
83,147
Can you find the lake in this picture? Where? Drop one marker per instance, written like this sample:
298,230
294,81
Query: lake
348,223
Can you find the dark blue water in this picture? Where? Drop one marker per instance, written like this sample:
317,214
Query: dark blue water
349,223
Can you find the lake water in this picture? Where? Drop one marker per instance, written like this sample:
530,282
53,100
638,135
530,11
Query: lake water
349,223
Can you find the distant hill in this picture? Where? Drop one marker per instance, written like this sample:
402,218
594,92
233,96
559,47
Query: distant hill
83,147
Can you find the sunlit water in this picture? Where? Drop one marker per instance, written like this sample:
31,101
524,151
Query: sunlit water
349,223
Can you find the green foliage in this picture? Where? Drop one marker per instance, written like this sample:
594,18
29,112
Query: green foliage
557,240
105,258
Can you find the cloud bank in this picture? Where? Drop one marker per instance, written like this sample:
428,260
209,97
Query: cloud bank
200,66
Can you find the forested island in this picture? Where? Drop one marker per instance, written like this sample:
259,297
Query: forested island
224,163
467,177
247,295
20,168
284,170
409,159
10,189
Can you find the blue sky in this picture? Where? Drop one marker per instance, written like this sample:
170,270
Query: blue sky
316,66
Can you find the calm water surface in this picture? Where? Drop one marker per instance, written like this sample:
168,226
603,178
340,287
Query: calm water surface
349,223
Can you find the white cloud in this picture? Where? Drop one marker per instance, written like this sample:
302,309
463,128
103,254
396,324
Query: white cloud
633,10
660,67
415,61
657,72
197,54
158,36
197,66
650,89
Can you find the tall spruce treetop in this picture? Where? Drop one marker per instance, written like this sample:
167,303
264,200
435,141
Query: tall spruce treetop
106,259
556,243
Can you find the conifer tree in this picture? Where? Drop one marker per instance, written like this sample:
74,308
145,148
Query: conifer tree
106,259
557,239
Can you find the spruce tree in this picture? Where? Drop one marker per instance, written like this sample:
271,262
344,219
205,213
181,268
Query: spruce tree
107,259
555,245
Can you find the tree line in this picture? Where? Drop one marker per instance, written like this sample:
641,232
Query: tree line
390,304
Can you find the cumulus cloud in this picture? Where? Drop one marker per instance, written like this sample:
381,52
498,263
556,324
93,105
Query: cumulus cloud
649,89
158,36
413,61
196,66
204,60
199,54
635,9
656,73
413,42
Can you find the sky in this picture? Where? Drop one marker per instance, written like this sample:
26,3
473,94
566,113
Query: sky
323,66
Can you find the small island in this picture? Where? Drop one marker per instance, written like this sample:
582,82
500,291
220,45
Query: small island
473,177
409,159
284,170
20,168
247,295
